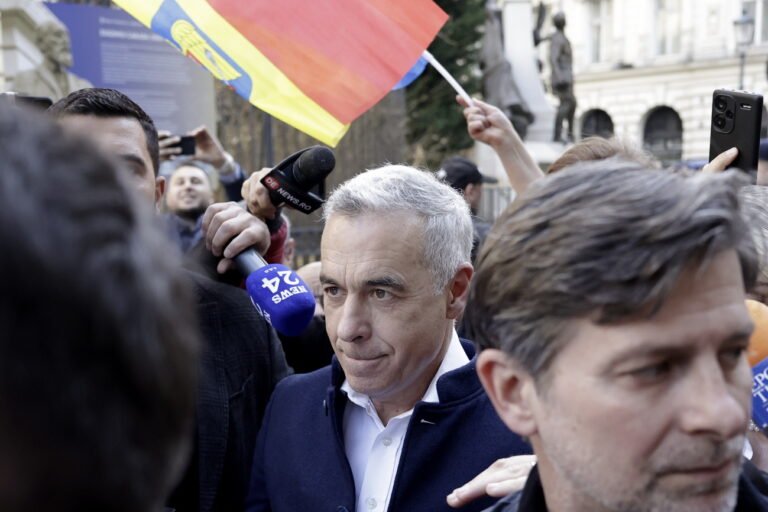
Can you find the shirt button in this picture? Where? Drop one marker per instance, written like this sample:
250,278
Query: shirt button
386,441
371,502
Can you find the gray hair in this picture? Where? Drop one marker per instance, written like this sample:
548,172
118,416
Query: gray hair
598,239
399,188
754,201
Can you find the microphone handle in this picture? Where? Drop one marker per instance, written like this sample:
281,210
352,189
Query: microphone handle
249,261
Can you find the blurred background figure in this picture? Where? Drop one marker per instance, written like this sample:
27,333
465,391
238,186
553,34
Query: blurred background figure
762,163
208,150
189,192
312,349
98,351
463,175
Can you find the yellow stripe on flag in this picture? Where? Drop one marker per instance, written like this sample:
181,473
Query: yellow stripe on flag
142,10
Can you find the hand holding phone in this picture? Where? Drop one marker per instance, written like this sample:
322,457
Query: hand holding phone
736,117
175,145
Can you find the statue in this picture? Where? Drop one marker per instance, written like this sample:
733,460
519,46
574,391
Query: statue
50,78
499,87
561,60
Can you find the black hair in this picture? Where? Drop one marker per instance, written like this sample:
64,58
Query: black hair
109,103
98,350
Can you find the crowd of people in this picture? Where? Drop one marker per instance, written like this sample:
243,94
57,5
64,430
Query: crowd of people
587,352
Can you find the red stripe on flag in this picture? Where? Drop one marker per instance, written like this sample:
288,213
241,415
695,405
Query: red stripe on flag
343,54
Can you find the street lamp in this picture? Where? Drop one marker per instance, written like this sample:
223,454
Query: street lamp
745,33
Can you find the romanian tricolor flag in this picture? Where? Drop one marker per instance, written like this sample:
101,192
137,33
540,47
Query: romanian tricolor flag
315,64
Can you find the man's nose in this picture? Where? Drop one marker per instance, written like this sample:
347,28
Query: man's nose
354,323
712,401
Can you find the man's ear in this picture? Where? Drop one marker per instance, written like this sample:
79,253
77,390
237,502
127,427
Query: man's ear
510,389
458,291
159,190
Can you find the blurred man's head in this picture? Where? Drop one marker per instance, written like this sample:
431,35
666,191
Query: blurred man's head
395,272
616,329
463,175
558,20
120,128
189,191
599,148
98,352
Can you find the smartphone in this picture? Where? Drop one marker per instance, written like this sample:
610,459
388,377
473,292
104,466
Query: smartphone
736,117
187,145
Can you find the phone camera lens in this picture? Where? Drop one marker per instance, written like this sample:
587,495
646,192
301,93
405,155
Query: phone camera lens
719,122
720,104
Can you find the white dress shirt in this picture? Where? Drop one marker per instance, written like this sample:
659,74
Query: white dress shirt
373,450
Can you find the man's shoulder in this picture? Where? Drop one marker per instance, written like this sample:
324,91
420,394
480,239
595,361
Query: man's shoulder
305,384
208,290
301,398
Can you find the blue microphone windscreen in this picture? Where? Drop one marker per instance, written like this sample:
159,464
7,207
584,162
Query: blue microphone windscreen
282,297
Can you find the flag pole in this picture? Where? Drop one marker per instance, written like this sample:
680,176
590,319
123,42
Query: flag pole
444,72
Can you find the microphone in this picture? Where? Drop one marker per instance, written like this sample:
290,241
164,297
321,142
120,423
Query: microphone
277,292
757,354
289,182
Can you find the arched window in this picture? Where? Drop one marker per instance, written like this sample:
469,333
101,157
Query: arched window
597,123
663,135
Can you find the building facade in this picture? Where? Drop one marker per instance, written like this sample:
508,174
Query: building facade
645,70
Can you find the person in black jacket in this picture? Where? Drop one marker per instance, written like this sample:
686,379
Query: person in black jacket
399,419
615,339
98,347
242,359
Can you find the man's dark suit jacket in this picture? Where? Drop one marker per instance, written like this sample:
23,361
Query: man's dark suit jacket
301,464
241,362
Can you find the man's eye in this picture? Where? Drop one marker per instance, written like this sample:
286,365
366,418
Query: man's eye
331,291
652,371
137,170
732,356
381,294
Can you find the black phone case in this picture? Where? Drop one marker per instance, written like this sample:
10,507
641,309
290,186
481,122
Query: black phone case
740,128
187,145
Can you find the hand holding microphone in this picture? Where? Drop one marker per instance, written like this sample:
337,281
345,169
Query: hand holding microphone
281,296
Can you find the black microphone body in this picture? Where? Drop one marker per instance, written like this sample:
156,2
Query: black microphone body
289,182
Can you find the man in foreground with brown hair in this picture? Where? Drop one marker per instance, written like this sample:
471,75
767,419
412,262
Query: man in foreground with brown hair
616,337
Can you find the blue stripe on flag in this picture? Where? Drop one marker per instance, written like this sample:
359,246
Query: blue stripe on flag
169,13
412,74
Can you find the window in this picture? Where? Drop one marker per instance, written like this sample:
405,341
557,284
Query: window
597,123
758,9
599,14
663,135
667,27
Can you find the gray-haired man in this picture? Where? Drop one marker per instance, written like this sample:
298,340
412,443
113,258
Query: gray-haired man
616,340
399,420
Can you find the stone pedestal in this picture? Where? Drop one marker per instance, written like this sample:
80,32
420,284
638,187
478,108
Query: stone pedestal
517,16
